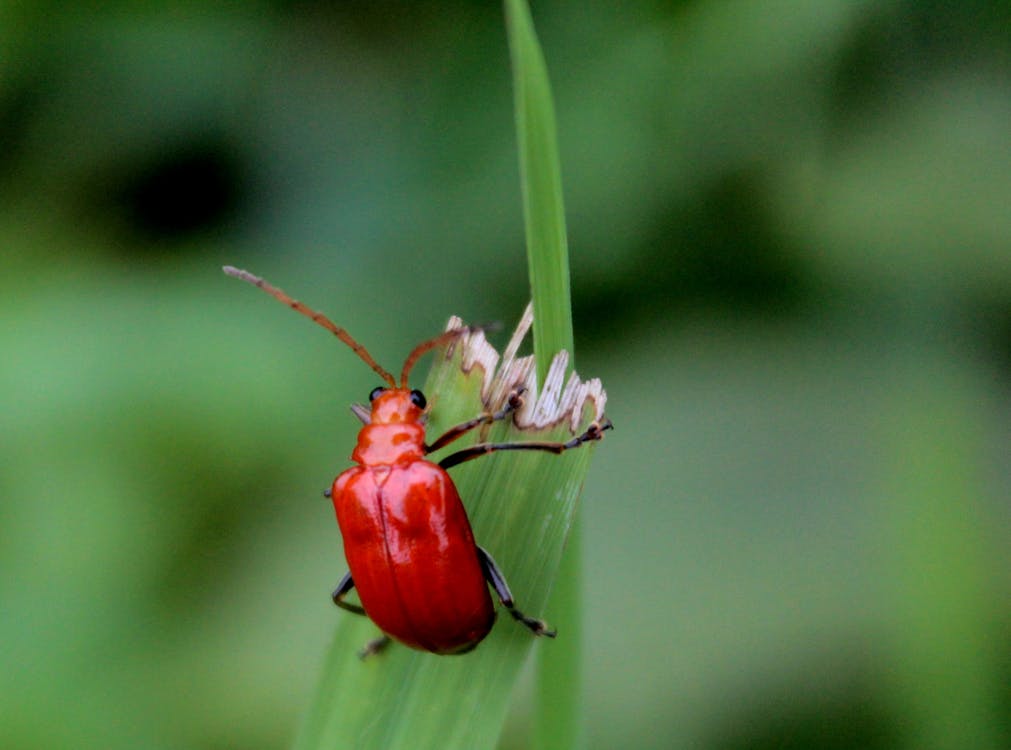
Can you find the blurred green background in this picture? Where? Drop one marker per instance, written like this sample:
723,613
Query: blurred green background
790,228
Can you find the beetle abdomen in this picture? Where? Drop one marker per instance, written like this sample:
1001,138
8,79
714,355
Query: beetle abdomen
412,556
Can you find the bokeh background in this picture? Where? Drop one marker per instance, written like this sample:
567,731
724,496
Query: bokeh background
790,227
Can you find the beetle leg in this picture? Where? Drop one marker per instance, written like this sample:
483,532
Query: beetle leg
514,402
374,646
362,412
594,432
342,590
494,576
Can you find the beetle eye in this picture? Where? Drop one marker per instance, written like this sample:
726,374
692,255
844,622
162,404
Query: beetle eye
375,393
418,399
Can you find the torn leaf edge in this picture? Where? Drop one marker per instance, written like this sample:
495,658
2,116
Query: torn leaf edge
561,400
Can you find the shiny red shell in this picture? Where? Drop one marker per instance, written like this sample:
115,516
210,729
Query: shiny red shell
407,539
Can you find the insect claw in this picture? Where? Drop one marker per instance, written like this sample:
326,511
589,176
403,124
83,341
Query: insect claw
515,399
596,430
373,647
537,627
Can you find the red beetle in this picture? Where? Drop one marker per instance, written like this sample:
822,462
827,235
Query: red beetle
409,546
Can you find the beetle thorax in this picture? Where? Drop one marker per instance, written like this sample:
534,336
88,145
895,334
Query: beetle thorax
394,433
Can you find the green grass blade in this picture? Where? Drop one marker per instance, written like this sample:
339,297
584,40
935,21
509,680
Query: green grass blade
558,716
540,175
558,720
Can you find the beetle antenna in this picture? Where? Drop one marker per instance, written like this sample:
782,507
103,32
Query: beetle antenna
425,346
316,317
